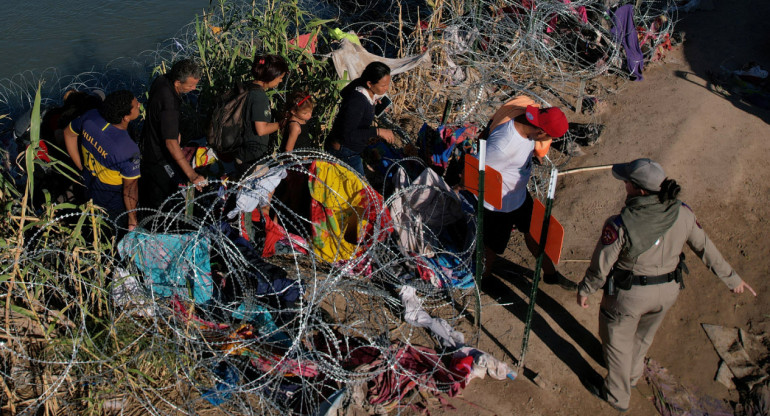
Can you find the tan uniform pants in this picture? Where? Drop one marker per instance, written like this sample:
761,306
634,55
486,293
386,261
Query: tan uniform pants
627,325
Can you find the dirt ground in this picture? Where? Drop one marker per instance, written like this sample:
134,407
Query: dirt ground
718,149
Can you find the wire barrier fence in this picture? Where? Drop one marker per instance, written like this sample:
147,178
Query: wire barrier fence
349,292
207,308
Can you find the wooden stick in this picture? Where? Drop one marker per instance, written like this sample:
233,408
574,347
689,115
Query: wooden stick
585,169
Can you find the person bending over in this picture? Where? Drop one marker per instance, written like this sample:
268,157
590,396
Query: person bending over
164,166
516,130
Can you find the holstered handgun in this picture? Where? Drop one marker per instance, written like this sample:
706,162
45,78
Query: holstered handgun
618,279
624,279
609,286
681,267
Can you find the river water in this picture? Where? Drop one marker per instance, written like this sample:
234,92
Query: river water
77,36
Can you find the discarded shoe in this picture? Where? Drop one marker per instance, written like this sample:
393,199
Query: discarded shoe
599,392
559,279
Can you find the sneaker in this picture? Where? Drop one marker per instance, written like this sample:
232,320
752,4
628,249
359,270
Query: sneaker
599,392
559,279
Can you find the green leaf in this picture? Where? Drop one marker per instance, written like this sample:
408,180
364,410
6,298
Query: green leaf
77,235
34,140
233,58
139,373
64,168
65,205
22,311
318,22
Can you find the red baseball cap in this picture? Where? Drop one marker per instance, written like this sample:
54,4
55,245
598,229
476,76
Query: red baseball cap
551,120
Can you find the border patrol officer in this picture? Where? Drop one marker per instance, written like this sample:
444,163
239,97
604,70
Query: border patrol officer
639,256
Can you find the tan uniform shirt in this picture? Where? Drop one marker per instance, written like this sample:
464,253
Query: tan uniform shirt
661,258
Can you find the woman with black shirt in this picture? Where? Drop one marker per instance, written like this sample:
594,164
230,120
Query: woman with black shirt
268,72
353,127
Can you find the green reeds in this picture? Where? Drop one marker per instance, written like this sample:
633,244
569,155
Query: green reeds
229,37
57,262
69,348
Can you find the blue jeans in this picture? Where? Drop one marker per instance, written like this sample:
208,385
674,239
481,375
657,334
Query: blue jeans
350,157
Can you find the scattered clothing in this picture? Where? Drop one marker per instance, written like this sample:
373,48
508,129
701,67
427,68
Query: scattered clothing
418,368
350,36
415,315
307,42
344,212
277,235
420,214
447,143
171,264
129,294
222,391
740,352
624,31
485,364
446,270
672,398
255,191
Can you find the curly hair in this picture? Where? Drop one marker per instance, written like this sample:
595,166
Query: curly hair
116,106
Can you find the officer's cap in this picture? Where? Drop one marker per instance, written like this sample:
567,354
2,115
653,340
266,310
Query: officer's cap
644,173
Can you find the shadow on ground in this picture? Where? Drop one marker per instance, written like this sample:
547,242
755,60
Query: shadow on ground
564,349
731,35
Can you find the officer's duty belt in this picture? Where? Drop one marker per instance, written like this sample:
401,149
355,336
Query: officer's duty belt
653,280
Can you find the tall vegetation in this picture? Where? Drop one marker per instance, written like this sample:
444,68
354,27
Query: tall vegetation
65,346
229,36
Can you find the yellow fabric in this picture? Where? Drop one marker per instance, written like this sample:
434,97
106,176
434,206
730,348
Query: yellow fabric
105,176
515,107
338,190
203,157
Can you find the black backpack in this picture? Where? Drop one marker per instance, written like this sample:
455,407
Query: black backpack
227,126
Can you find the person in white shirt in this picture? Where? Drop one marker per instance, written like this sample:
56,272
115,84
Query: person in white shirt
515,131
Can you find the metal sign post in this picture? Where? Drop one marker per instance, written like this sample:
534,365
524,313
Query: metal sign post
538,267
480,229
